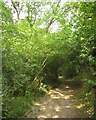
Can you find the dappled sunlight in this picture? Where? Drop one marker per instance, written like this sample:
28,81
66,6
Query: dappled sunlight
67,106
89,111
43,108
70,90
54,91
57,95
42,116
55,116
49,58
67,97
37,104
58,103
58,90
67,87
54,97
57,108
45,103
54,103
80,106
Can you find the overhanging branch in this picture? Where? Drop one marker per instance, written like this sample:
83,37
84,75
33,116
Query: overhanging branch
52,19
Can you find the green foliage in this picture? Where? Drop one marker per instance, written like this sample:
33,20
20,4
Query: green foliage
16,106
86,97
6,13
31,56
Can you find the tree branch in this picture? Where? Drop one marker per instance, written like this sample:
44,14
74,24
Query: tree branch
16,9
52,19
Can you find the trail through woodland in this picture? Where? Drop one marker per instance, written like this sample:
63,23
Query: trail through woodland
60,102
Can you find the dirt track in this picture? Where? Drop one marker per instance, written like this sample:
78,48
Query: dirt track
58,103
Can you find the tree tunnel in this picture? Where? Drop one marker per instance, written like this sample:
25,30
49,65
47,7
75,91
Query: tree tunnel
58,67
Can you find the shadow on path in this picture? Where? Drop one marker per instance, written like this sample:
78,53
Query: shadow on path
58,103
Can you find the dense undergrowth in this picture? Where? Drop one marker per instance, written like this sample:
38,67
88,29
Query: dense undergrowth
34,57
85,101
17,106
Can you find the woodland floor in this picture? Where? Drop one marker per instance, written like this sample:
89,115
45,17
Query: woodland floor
60,102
